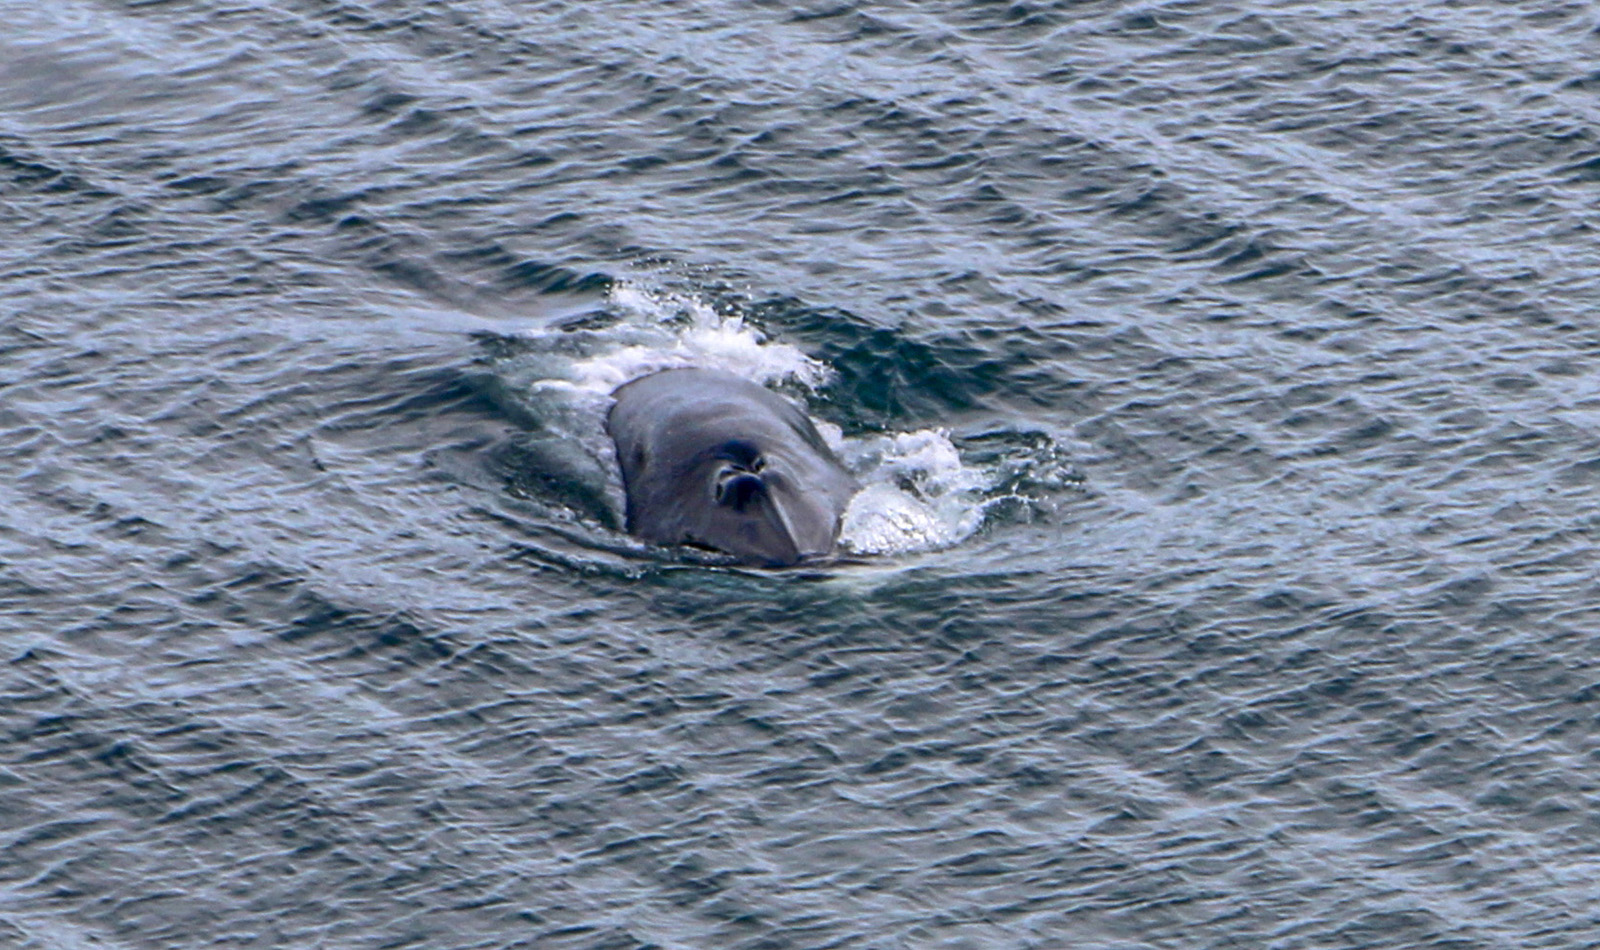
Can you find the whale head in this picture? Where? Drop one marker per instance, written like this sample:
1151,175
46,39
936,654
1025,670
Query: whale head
712,460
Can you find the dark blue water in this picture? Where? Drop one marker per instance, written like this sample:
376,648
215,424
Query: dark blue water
1225,379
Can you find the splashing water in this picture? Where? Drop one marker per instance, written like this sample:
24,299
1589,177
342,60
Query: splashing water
666,330
916,493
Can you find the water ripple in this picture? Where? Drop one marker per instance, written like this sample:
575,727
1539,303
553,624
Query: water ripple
1259,335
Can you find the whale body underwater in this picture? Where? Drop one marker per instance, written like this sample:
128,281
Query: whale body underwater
714,460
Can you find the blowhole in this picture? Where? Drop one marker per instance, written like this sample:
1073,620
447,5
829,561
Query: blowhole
738,489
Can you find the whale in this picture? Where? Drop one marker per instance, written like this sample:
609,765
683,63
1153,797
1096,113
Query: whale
714,460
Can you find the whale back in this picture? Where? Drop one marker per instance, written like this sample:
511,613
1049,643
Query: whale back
715,460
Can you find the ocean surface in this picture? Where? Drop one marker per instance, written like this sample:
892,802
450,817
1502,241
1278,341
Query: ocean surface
1224,378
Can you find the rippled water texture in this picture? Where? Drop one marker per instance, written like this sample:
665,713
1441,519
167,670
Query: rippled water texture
1261,340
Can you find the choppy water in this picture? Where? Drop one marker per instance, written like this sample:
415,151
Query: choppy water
1228,376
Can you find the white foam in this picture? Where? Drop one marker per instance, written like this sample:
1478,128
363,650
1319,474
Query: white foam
916,494
664,330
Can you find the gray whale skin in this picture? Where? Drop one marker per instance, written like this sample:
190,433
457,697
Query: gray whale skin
711,459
